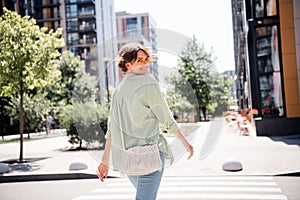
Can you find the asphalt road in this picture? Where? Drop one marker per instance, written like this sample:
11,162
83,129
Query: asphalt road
279,188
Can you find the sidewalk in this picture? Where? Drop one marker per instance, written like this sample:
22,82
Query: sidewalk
46,159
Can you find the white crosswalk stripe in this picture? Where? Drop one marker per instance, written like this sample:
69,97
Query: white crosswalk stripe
185,188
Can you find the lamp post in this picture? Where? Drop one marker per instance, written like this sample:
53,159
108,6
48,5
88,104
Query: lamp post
106,60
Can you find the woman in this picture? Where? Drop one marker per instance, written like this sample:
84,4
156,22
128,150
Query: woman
138,110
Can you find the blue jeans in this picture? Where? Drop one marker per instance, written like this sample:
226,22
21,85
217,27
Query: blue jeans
147,185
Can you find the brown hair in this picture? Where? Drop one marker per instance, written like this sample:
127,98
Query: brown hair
128,53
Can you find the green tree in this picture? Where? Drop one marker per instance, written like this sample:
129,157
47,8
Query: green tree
85,86
220,96
83,118
178,103
75,85
85,121
70,67
35,109
28,57
195,66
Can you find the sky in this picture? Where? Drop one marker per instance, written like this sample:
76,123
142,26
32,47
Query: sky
209,20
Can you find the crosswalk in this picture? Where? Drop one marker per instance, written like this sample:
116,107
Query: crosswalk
200,188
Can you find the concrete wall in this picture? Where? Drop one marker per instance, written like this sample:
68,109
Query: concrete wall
297,36
289,55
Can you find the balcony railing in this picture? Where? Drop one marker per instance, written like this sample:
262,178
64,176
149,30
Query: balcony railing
86,12
86,28
79,1
72,29
87,41
73,42
46,4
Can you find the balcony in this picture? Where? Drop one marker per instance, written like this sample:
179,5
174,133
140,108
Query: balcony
72,29
80,1
85,41
87,28
72,42
47,5
84,13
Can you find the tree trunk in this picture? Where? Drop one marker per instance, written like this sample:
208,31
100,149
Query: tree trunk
198,115
80,143
203,108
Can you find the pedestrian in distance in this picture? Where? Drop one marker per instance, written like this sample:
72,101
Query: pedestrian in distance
138,110
49,122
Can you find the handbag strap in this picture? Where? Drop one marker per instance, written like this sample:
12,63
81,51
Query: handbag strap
120,123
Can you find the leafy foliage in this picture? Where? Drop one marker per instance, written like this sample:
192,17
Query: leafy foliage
70,68
28,56
35,109
178,102
75,84
83,118
195,67
198,82
85,87
220,94
85,121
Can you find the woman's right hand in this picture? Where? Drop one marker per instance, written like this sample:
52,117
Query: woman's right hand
190,149
102,171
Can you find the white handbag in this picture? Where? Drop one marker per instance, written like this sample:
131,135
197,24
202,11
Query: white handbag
139,160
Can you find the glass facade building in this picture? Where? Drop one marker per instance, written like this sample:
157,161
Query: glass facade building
23,7
47,13
267,62
80,21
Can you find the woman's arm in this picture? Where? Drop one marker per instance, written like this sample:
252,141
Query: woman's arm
158,105
188,146
104,165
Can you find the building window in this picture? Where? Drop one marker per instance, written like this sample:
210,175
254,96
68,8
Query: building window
72,24
73,38
264,8
86,11
71,10
268,64
131,27
74,50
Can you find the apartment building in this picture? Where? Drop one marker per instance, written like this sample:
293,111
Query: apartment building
20,6
140,28
89,29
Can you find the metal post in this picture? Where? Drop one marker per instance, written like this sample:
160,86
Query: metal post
106,80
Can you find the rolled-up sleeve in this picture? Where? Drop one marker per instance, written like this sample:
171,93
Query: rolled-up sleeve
158,105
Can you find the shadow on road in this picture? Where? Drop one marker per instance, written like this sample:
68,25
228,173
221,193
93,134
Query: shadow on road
289,139
27,165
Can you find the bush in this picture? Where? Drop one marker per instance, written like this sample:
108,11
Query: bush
35,109
85,121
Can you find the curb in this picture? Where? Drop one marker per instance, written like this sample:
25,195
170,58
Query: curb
47,177
289,174
76,176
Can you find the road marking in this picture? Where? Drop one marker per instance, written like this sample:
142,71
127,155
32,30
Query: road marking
185,188
165,188
185,196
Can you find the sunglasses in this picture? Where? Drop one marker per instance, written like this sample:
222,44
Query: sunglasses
144,61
